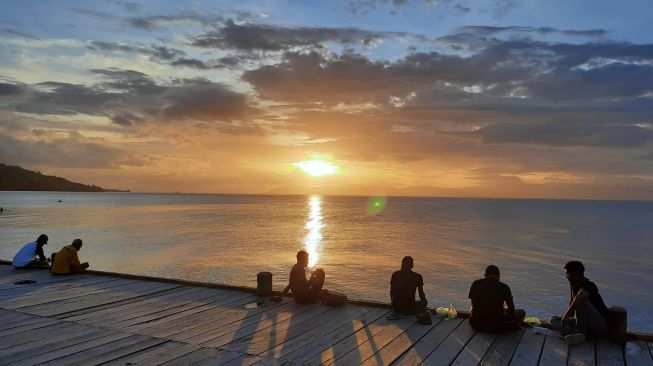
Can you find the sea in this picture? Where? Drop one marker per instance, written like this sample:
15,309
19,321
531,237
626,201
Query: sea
358,241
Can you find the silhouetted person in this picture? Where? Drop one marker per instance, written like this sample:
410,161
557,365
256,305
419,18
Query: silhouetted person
403,285
305,292
493,310
586,304
27,255
67,261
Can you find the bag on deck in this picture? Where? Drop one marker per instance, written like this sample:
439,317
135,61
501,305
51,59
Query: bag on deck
333,298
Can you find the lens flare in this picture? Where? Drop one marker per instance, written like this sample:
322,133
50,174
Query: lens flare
375,205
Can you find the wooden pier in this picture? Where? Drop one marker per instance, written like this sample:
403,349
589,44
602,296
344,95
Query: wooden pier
105,319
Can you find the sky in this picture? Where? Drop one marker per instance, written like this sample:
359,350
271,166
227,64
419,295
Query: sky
487,98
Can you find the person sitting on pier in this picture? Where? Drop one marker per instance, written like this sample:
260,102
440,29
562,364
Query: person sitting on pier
493,310
586,304
67,261
403,285
27,255
305,292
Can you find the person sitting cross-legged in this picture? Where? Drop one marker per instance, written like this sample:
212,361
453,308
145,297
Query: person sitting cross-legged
493,310
304,292
404,283
67,261
31,254
586,304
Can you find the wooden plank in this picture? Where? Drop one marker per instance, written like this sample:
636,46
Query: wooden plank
423,348
168,355
503,349
192,358
321,345
475,349
225,358
137,357
232,309
311,339
29,327
393,350
110,351
261,341
582,354
99,352
50,287
36,347
529,349
133,291
554,351
370,344
58,352
608,353
163,323
637,354
155,311
126,308
358,333
64,294
449,349
236,330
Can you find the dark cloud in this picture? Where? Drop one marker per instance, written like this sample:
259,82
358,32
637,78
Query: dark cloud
9,89
192,63
156,53
483,30
558,134
14,32
130,97
158,21
72,152
250,37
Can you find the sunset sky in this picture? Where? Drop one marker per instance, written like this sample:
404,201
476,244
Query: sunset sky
494,98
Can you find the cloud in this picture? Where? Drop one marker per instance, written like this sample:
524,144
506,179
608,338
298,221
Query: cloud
69,152
9,89
250,37
126,5
484,30
156,53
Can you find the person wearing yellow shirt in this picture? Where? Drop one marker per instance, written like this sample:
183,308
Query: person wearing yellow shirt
66,261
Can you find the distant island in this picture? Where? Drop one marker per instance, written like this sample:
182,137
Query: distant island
15,178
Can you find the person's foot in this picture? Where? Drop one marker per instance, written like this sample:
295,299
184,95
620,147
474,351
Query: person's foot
424,318
575,338
393,316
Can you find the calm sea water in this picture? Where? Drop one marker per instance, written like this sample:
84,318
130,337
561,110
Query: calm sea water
230,238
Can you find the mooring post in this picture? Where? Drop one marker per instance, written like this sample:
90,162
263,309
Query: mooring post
264,284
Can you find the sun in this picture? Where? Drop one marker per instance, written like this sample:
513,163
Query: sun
316,168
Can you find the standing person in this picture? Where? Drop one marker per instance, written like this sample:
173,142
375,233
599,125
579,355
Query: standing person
67,261
305,292
27,255
586,304
403,285
493,310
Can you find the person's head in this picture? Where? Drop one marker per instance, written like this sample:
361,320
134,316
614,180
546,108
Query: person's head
492,271
302,258
407,263
77,244
575,271
42,239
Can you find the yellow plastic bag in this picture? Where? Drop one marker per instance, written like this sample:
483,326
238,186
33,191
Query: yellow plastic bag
533,321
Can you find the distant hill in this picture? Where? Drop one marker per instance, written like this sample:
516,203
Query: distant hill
15,178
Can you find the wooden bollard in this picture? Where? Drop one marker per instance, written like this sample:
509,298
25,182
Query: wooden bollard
264,284
617,324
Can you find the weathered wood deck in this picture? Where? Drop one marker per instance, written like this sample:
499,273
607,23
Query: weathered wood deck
97,319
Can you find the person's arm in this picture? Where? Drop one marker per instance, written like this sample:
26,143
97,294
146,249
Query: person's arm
580,297
510,304
422,295
39,252
285,291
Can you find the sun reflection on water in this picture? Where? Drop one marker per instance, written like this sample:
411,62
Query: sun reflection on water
313,239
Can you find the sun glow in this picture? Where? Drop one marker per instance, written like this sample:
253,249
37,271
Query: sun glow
316,168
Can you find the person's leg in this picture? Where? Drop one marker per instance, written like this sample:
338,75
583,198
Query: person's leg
590,321
78,269
316,282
